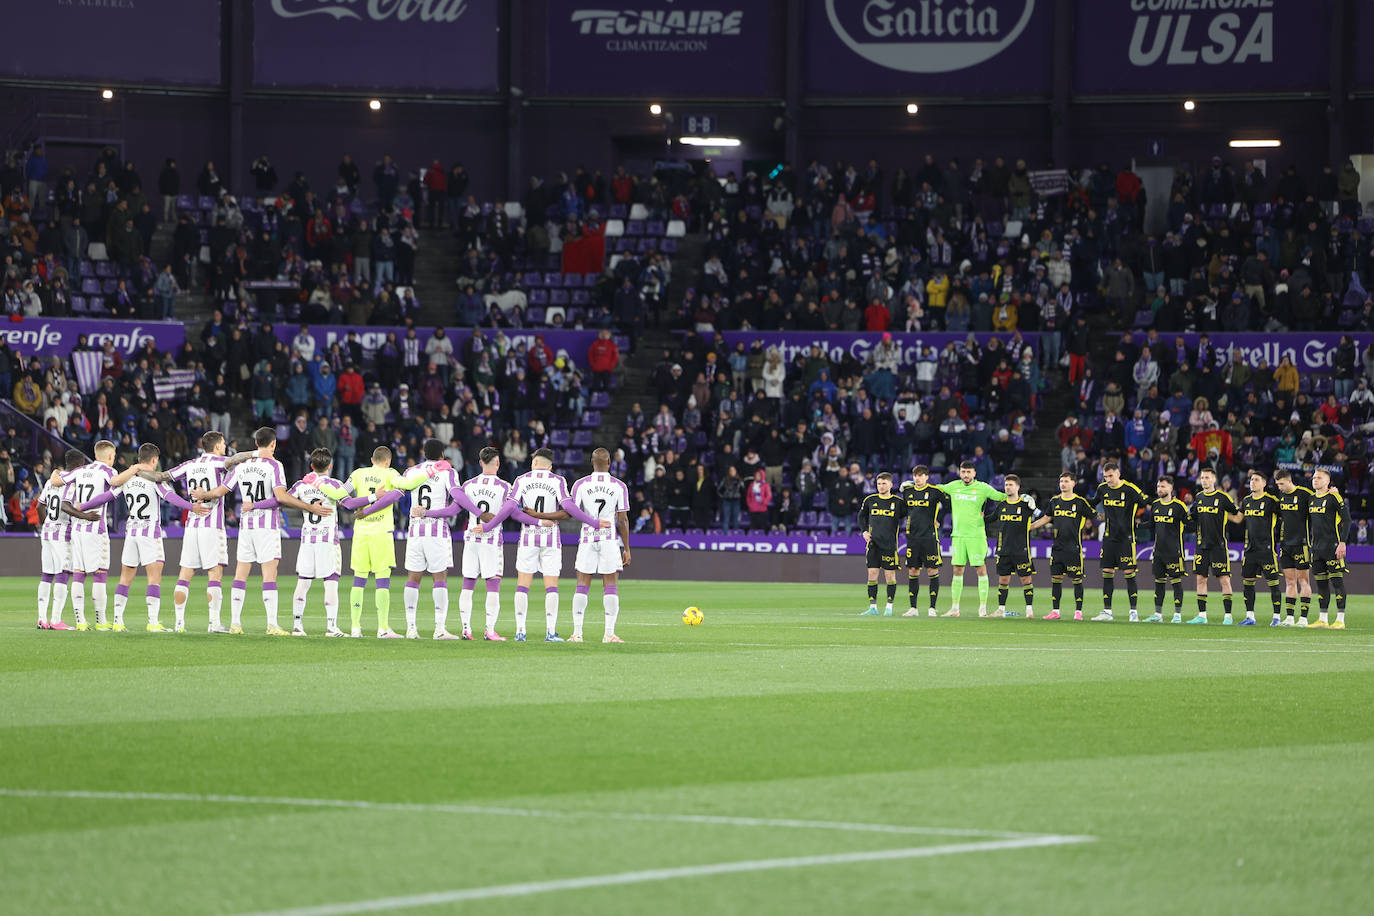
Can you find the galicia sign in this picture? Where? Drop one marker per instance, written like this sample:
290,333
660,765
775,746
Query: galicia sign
948,47
929,36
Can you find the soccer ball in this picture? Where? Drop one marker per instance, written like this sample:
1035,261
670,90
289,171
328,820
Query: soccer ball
692,617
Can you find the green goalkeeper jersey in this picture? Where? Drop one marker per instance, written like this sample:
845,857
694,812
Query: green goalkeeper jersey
369,481
966,506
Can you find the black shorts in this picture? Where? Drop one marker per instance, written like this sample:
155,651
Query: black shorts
1168,567
1326,566
1295,557
878,558
1259,563
1211,561
1015,566
1066,563
1118,554
923,553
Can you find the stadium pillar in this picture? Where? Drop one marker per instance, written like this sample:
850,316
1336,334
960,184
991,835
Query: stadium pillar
1340,52
1061,83
792,88
513,30
238,26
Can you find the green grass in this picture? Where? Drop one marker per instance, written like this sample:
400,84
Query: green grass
1218,770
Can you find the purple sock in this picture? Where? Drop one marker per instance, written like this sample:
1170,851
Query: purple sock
47,577
359,582
184,583
522,589
333,578
155,591
441,581
608,590
240,584
269,586
121,589
494,584
383,584
551,590
63,578
99,576
216,583
584,589
79,578
469,584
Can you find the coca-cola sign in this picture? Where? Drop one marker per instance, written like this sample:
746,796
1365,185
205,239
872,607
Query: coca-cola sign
447,46
378,10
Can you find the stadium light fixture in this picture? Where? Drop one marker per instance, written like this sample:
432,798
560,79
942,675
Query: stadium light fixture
1189,105
655,109
107,94
709,141
375,104
912,108
1255,144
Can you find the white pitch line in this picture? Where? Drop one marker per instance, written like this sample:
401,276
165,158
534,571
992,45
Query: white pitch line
481,810
1344,649
436,898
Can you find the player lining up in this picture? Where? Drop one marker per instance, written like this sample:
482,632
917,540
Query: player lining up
880,515
1295,555
1210,512
1070,514
1121,501
923,504
55,537
1329,520
1017,517
970,537
1167,517
1261,513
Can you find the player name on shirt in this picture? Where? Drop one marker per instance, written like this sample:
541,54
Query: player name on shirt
539,491
488,492
601,496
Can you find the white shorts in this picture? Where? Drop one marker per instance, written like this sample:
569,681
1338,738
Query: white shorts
261,545
57,557
90,552
483,561
598,558
429,554
204,548
319,561
547,561
142,551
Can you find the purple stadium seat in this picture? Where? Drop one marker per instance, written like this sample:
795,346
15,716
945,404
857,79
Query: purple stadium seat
87,267
95,303
618,211
634,227
109,285
534,280
668,246
79,304
591,419
558,297
205,203
571,281
624,244
581,297
535,315
600,400
559,438
582,438
90,285
538,297
656,228
106,269
553,279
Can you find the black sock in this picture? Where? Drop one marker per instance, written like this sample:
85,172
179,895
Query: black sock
1108,586
1028,592
1078,595
1290,606
1201,605
891,592
1338,586
1159,595
1001,596
1323,595
1249,597
1131,589
1056,593
934,586
1178,597
1305,605
1276,596
913,589
1226,604
873,593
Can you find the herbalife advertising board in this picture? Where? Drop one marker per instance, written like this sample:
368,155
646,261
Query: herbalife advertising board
928,47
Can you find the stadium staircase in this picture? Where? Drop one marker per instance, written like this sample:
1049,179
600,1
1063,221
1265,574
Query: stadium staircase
436,277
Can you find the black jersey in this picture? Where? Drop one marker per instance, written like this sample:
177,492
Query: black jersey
1068,513
1014,518
1261,521
1168,518
1119,506
1209,517
1328,521
1293,520
881,517
923,505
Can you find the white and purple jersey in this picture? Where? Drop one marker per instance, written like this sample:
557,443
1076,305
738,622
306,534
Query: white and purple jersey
318,529
84,485
601,496
203,473
433,494
255,481
489,493
143,498
540,491
56,524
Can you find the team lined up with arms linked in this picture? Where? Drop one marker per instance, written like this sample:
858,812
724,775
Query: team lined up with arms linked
1292,536
76,544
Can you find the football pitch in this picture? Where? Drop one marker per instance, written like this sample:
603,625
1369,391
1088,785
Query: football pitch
784,757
